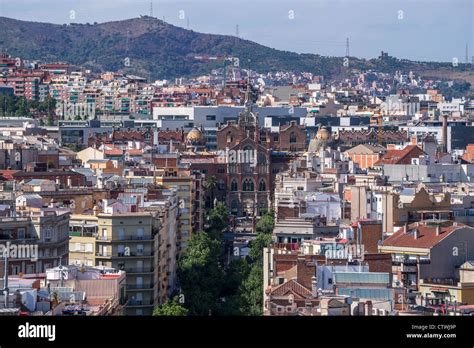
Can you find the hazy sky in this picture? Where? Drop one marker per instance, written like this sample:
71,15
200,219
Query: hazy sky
414,29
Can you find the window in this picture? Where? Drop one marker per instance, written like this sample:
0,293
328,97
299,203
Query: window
210,117
21,233
329,280
47,235
292,137
229,137
121,250
121,234
78,247
221,170
140,249
140,233
233,185
30,269
248,185
276,138
88,247
262,186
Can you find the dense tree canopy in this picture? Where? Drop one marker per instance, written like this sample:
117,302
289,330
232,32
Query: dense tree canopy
171,308
200,274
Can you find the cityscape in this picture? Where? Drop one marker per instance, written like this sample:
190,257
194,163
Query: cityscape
148,169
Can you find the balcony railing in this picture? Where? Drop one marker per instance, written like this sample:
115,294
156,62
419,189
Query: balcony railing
139,286
139,270
128,238
134,254
140,303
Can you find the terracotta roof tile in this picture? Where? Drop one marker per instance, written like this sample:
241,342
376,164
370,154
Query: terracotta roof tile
291,286
427,237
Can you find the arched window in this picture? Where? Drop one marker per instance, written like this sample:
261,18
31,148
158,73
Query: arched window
233,185
247,185
292,137
262,186
229,137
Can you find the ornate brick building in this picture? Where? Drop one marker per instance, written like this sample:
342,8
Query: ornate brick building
248,163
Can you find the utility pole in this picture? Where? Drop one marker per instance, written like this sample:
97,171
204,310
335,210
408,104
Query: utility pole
5,281
467,55
237,30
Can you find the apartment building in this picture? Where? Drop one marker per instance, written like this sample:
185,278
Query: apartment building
37,239
127,241
83,232
186,202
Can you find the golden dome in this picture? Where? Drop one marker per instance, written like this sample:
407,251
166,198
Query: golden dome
323,134
195,135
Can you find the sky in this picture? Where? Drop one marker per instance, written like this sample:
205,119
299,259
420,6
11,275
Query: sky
429,30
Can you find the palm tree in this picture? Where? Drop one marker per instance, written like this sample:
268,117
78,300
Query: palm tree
209,186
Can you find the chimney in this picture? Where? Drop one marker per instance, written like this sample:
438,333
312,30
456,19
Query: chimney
304,272
415,233
314,287
369,307
445,133
438,230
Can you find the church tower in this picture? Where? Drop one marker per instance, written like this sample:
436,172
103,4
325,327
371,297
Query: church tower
248,120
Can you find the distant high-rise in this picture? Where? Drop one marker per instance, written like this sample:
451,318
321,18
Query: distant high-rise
466,59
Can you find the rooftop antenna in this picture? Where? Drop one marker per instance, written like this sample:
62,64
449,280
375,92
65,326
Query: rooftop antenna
187,23
347,47
237,30
467,54
151,8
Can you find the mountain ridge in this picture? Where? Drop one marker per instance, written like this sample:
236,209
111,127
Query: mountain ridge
158,50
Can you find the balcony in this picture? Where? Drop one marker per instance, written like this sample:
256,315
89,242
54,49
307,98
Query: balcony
139,286
134,254
408,268
138,303
133,239
139,270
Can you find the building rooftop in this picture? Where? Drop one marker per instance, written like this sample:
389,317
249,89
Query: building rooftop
421,235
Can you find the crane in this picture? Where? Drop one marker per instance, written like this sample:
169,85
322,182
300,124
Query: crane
234,60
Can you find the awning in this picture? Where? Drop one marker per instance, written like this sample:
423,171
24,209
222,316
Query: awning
439,290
